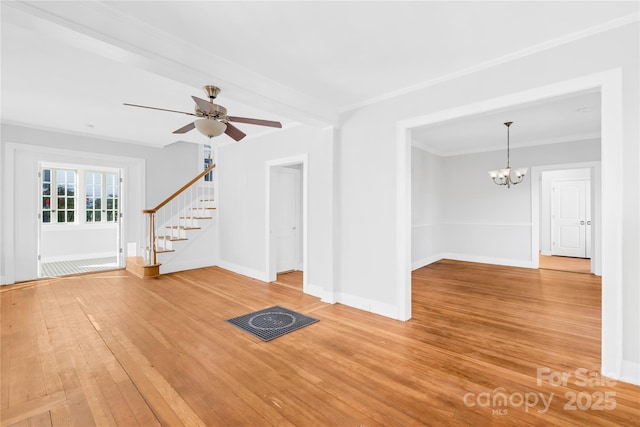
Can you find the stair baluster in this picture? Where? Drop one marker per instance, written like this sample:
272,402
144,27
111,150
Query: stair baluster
180,203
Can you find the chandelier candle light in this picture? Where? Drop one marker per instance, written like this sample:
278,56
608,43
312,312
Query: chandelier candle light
507,176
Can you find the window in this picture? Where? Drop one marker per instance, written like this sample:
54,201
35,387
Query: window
101,190
208,161
58,195
59,188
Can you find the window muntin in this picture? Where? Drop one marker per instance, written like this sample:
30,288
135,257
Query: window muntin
58,196
46,195
93,194
101,197
60,188
111,196
208,161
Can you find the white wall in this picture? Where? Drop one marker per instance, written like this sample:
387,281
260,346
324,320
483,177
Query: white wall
427,193
370,174
485,222
63,242
367,208
243,177
466,216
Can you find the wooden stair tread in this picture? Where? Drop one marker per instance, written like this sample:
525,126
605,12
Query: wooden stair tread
182,227
172,238
161,251
196,217
137,266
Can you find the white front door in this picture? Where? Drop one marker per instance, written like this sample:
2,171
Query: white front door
286,223
570,213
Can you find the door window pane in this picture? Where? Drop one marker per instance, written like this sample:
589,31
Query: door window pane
59,209
101,195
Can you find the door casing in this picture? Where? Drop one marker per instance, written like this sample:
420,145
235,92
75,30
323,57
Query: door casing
270,210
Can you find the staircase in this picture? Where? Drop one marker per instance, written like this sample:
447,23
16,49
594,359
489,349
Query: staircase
182,231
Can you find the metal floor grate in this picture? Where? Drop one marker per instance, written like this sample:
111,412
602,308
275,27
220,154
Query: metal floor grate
271,322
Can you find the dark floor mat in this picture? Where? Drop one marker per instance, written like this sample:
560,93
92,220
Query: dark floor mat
271,322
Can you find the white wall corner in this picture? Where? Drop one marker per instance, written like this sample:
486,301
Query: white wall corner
425,261
403,221
320,292
611,220
630,372
366,304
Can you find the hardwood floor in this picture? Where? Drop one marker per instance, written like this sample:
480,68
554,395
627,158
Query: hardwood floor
292,279
113,349
563,263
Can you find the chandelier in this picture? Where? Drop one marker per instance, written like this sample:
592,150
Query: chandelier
508,176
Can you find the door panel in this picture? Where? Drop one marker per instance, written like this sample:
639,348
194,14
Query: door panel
588,230
286,221
568,218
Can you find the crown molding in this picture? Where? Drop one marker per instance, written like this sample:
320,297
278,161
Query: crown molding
498,147
540,47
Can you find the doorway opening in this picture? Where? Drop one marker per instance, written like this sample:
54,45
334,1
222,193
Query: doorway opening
567,238
79,220
287,222
608,219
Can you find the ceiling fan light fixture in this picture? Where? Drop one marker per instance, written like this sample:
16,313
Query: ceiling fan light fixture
210,127
212,119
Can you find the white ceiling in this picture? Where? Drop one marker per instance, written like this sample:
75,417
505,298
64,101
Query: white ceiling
70,65
563,119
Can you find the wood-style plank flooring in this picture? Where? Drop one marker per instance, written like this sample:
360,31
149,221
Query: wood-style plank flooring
292,279
563,263
112,349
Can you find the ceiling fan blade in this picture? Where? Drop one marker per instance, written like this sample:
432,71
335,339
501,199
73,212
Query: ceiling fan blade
186,128
161,109
205,106
234,132
258,122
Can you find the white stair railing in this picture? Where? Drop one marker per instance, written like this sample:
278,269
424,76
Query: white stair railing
169,221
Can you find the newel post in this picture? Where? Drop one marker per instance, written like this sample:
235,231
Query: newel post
151,248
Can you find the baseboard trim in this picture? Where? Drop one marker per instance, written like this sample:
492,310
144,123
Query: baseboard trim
488,260
372,306
172,267
245,271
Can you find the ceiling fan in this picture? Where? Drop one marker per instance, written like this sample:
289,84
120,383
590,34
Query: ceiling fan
212,118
